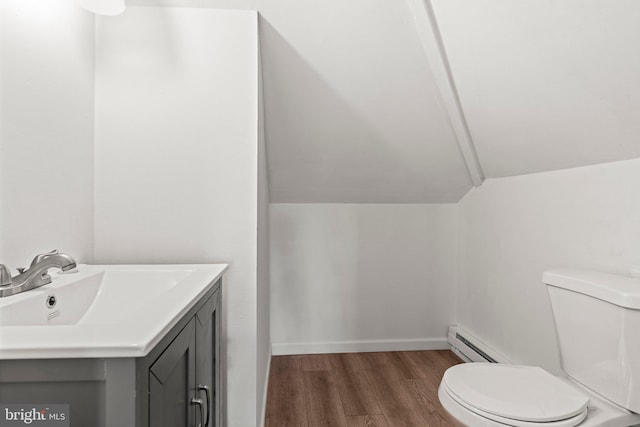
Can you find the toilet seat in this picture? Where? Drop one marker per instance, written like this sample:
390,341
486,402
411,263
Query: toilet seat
522,396
497,420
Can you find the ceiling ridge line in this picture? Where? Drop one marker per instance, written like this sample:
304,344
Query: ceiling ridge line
431,40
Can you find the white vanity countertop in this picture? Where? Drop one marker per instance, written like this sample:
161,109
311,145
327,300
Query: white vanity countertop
102,311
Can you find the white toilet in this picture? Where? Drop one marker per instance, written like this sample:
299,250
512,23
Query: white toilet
597,319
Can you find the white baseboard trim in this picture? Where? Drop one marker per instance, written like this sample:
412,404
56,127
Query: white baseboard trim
280,349
263,415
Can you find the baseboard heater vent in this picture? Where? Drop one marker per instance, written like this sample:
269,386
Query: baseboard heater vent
471,349
481,353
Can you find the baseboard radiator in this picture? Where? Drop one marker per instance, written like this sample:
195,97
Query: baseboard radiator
471,349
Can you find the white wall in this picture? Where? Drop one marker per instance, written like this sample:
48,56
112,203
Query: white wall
263,286
176,159
353,110
512,229
46,130
214,4
357,277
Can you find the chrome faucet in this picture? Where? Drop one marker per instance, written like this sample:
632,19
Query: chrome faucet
36,275
5,276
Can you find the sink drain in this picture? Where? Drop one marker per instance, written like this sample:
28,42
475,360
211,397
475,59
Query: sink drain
51,301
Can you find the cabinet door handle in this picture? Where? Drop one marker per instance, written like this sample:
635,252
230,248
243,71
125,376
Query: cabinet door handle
198,402
207,396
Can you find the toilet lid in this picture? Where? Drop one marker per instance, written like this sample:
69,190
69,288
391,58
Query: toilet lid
524,393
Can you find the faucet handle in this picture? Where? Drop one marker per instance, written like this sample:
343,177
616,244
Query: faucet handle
5,276
40,257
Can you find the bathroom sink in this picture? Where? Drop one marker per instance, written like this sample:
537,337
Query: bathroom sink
93,297
101,311
61,302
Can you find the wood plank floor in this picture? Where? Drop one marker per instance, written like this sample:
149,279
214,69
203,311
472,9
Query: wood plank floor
394,389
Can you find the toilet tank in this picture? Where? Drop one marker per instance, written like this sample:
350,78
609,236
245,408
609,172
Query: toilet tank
597,318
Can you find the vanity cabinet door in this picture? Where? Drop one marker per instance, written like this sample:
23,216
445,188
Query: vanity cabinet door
172,381
207,359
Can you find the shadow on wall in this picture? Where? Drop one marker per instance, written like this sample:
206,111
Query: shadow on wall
308,260
347,164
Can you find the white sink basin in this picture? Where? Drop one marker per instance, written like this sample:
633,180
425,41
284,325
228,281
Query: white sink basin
101,311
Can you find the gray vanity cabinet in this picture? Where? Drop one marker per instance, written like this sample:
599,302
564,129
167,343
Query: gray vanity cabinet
164,388
179,380
172,379
208,328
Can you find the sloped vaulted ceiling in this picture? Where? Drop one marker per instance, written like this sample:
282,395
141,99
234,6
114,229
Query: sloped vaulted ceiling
357,110
546,84
353,113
